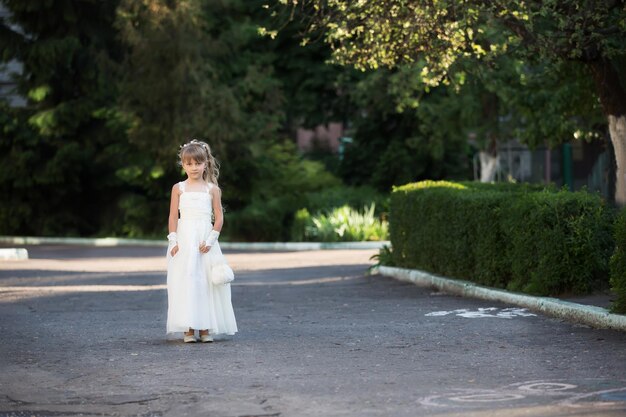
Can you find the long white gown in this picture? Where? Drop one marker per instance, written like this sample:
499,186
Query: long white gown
193,301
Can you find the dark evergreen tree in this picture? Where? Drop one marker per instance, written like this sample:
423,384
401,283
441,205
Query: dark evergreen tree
57,152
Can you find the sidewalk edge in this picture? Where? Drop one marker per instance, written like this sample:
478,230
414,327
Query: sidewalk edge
114,241
590,315
13,254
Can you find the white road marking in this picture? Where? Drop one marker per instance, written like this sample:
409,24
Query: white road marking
487,312
532,392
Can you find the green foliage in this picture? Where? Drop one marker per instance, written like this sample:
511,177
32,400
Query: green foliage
396,141
540,242
301,220
56,152
406,130
390,32
286,216
618,264
260,221
332,198
507,187
198,69
447,40
165,83
114,88
536,103
546,103
278,190
342,224
314,93
355,197
384,257
562,246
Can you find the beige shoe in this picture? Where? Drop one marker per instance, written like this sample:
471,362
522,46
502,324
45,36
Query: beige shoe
206,338
189,338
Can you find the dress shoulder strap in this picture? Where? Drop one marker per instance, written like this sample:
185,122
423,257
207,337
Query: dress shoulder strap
181,186
210,186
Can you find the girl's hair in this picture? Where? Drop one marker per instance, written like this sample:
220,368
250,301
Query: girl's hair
201,152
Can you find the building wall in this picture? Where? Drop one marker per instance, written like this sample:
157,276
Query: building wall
326,136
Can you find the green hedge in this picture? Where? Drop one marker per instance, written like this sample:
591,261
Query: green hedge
519,237
618,264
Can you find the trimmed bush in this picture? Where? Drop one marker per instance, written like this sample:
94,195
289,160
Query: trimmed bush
561,246
618,264
519,237
509,187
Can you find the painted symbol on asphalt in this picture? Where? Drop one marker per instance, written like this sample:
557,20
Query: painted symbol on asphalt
542,387
531,392
486,398
487,312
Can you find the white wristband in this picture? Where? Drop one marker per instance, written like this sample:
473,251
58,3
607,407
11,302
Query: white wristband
210,241
172,237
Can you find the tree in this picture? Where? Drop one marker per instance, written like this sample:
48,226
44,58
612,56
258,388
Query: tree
115,87
398,141
314,89
443,33
57,152
202,69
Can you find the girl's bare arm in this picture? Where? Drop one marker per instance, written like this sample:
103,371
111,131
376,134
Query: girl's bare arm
217,209
172,223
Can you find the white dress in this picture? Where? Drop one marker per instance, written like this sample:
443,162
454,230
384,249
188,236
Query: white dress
193,301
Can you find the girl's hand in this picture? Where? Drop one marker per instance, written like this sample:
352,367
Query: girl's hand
174,250
204,248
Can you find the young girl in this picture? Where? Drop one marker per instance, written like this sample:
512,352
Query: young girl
193,301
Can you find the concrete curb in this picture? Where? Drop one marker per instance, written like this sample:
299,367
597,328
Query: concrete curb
113,241
79,241
579,313
13,254
302,246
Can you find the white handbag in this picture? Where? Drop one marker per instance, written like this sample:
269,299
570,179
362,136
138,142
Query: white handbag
221,274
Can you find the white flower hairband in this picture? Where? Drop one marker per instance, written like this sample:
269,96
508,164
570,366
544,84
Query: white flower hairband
196,142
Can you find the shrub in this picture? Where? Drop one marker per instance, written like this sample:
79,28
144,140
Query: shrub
279,186
383,257
562,245
523,238
262,221
510,187
301,220
328,199
342,224
618,264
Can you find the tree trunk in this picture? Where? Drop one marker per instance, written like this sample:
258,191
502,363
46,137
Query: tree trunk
617,129
488,166
489,162
613,99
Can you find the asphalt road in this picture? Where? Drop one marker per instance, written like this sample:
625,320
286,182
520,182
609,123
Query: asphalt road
83,333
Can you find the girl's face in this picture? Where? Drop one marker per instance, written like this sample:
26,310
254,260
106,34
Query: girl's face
194,169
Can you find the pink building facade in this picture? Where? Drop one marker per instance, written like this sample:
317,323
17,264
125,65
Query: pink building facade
327,135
